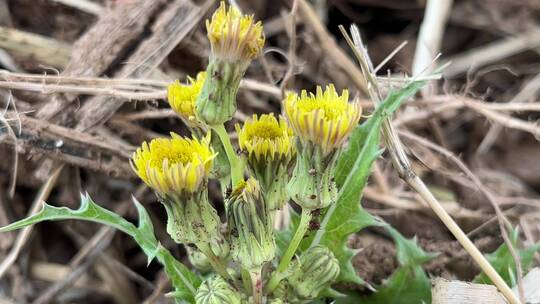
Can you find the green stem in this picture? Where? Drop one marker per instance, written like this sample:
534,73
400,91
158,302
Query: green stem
216,263
291,249
246,279
257,285
237,168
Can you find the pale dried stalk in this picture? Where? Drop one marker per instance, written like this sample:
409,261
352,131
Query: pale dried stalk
503,222
83,5
53,88
106,86
430,37
43,49
529,91
493,52
402,165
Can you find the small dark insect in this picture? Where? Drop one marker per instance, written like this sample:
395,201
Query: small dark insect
228,191
316,212
314,225
234,232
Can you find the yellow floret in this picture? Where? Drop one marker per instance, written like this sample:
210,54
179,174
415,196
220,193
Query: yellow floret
182,97
325,119
174,165
234,36
266,137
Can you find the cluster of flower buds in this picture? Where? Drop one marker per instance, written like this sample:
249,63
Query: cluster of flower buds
178,168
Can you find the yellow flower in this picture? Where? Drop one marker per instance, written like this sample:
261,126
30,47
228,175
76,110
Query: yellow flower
174,165
234,36
182,97
266,137
325,119
245,188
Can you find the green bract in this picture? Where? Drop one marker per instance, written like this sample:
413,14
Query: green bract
216,291
314,271
250,226
312,183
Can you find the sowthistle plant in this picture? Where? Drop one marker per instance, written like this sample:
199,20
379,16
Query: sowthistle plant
300,156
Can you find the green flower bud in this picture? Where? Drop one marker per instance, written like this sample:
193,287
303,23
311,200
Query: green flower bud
315,270
217,102
312,183
216,290
250,226
284,293
198,260
192,219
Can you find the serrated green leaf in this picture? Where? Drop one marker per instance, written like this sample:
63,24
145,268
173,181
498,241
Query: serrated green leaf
503,262
184,281
347,216
408,252
359,137
409,283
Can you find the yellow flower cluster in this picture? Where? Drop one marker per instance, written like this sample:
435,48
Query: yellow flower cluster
174,165
182,97
234,36
324,118
266,137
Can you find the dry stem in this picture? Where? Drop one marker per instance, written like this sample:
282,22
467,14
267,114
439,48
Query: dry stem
403,167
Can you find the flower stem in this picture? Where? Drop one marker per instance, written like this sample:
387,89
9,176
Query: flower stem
216,263
291,249
257,285
237,168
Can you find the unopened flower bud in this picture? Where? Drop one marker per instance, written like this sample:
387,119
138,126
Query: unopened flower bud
250,226
315,270
216,290
198,260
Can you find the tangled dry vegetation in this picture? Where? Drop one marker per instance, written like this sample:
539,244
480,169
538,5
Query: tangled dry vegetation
82,83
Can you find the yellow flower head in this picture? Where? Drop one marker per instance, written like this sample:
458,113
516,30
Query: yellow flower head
234,36
266,137
182,97
251,187
325,119
174,165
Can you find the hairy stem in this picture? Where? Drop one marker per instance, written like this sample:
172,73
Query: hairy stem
216,263
291,249
237,167
257,285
